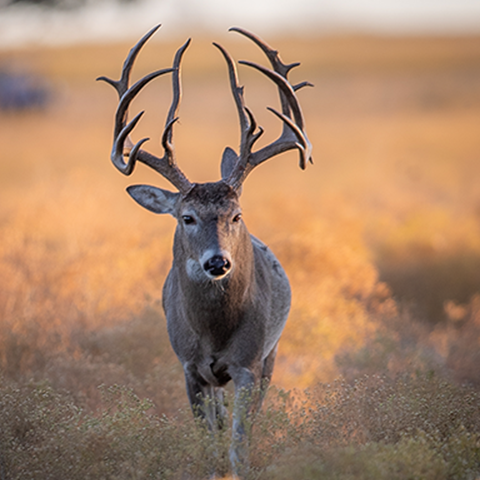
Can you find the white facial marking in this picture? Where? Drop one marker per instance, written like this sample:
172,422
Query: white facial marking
194,271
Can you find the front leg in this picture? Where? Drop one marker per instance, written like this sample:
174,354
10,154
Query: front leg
205,400
245,381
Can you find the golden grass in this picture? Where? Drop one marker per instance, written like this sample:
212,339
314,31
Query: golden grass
377,237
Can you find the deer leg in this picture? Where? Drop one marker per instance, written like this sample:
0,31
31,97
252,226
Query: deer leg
203,398
220,409
213,407
248,402
207,404
267,372
245,381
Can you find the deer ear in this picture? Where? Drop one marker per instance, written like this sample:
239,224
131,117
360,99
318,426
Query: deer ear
154,199
229,159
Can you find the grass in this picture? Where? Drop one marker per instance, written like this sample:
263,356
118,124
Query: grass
408,427
377,373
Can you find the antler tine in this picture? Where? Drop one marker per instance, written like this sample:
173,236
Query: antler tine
122,87
177,95
166,165
122,144
248,124
293,134
286,89
237,90
293,131
270,52
272,55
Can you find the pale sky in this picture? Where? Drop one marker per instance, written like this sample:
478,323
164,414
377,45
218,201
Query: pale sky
104,20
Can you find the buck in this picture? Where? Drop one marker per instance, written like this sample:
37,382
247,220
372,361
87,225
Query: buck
226,297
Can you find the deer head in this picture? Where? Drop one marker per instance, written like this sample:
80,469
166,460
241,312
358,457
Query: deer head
192,204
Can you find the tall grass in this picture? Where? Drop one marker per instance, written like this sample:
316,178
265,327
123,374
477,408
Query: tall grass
380,239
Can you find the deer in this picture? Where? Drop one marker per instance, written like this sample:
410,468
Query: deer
226,297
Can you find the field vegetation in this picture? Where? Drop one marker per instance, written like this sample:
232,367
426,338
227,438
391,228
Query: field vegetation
378,370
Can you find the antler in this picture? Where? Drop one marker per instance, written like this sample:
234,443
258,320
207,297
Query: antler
122,144
293,134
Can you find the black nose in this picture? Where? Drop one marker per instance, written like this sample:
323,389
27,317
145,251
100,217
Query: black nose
217,265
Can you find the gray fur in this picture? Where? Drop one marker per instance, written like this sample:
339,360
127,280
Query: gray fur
226,329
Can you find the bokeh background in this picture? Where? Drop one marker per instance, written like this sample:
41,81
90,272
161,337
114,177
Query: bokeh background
380,237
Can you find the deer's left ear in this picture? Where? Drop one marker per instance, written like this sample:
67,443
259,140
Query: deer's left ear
229,159
157,200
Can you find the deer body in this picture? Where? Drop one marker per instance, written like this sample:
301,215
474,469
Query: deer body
223,325
218,326
233,322
226,297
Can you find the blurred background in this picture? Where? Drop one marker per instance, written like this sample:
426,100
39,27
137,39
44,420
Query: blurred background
380,237
72,21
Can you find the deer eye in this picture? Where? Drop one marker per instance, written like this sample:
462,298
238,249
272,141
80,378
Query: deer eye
237,218
188,219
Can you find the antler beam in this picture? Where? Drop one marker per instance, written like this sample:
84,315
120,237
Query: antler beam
122,144
293,134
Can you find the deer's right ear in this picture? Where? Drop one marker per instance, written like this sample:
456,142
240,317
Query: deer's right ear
154,199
